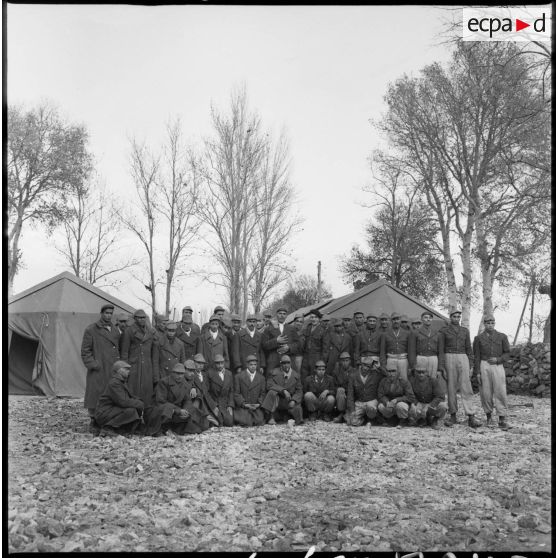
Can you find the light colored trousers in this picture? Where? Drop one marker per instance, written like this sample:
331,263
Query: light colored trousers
401,409
364,409
458,370
400,363
430,363
493,388
314,404
419,410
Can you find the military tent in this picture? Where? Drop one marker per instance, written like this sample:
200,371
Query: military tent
375,298
45,329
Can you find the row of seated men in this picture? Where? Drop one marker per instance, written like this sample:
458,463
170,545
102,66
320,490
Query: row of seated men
191,399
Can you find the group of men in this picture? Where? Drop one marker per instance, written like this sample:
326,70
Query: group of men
377,369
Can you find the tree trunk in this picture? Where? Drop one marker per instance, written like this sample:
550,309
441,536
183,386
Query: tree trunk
450,273
467,276
14,257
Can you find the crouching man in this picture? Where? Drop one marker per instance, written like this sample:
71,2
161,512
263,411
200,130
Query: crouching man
249,394
362,396
284,393
395,395
173,408
319,392
118,411
430,406
341,375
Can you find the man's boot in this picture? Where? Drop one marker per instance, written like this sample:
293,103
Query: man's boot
94,428
488,419
474,422
503,424
451,420
338,418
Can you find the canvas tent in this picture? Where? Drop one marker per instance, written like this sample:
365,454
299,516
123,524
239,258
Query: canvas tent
375,298
45,329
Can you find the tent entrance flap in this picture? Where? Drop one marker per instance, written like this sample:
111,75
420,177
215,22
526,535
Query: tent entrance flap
21,362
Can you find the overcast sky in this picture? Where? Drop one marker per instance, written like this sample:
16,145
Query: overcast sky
319,73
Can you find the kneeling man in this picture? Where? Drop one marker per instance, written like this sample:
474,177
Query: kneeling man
362,396
430,406
319,397
284,392
249,394
395,395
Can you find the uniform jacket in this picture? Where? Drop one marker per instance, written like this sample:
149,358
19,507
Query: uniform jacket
362,391
316,386
427,389
277,382
341,377
367,341
424,342
175,391
246,391
395,343
245,345
400,390
188,340
270,345
116,397
454,339
99,351
141,350
202,387
487,345
210,347
334,345
170,354
222,391
314,341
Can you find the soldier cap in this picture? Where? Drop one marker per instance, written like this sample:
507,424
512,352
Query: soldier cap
120,364
235,318
384,316
427,313
343,355
372,316
214,318
171,325
285,358
218,309
199,358
395,315
357,313
122,318
281,309
218,358
416,320
489,317
140,314
320,363
316,313
251,358
190,365
251,317
106,307
187,308
178,367
267,314
404,318
454,310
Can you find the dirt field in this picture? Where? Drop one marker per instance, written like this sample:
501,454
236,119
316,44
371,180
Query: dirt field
278,488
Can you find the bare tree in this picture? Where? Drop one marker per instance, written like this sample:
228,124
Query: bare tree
47,158
144,167
92,231
179,193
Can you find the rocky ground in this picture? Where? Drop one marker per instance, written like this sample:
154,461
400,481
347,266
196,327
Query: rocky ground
278,488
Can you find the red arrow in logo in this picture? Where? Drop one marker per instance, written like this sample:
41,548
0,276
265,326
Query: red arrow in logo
519,25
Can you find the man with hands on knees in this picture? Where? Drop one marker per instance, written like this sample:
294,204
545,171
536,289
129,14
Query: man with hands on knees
249,393
395,395
221,390
319,393
284,393
429,406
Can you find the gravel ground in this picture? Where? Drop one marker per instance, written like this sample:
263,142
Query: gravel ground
278,488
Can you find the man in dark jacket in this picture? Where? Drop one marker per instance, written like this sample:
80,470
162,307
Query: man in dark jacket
319,393
278,340
117,410
221,389
423,346
336,341
199,393
249,394
173,408
394,347
314,344
99,351
284,393
171,351
247,342
368,341
188,320
395,395
491,349
362,396
188,332
429,406
341,375
213,342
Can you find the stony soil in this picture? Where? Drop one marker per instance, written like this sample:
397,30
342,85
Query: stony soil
278,488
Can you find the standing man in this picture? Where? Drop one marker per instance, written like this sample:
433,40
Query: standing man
218,311
249,394
140,349
99,351
161,326
284,393
221,390
416,323
247,342
278,340
384,322
122,322
423,346
405,322
325,322
213,342
455,360
298,324
260,322
188,332
491,349
187,318
368,341
359,323
314,344
268,318
394,347
171,351
341,375
336,341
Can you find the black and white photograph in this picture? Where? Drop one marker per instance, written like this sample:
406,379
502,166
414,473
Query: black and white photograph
279,278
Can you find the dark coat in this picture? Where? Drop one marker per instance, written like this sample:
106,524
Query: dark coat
210,347
222,391
314,348
367,341
277,382
141,350
316,386
362,391
427,389
116,406
245,345
207,402
341,377
170,354
246,391
189,341
396,343
454,339
270,345
400,390
334,345
99,351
